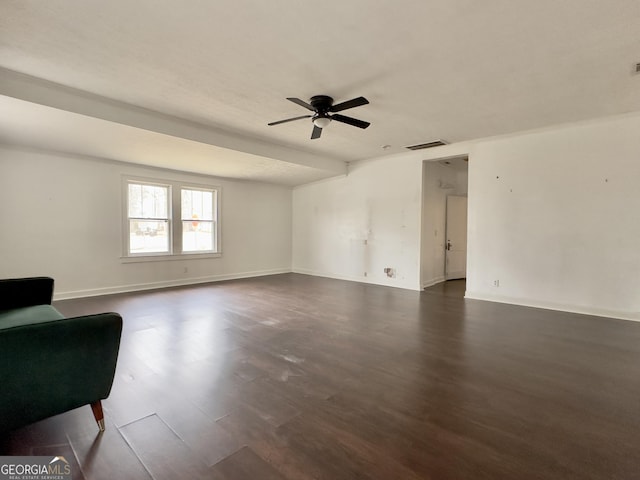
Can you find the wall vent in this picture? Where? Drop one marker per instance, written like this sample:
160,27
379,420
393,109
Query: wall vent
422,146
637,68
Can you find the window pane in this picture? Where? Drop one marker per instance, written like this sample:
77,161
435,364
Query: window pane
148,236
135,200
197,204
148,201
198,236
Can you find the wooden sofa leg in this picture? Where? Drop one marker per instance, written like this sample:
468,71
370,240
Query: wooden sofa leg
96,408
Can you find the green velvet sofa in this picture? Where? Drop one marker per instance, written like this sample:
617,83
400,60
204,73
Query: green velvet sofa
50,364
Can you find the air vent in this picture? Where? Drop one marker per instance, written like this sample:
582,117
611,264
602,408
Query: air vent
422,146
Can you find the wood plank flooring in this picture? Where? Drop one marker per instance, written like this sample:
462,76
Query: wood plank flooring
297,377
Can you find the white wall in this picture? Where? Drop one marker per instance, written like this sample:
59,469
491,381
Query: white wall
559,228
554,216
355,226
438,181
61,216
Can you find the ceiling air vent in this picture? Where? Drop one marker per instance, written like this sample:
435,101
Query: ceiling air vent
422,146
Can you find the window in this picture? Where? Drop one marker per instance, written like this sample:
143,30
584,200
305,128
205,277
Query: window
150,210
198,220
149,225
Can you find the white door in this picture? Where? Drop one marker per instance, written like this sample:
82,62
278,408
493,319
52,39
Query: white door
456,241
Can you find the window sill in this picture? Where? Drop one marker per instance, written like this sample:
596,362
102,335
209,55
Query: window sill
173,257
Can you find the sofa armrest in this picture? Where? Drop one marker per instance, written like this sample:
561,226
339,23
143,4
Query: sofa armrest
25,292
51,367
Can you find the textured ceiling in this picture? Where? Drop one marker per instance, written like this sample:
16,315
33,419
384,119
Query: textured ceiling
451,69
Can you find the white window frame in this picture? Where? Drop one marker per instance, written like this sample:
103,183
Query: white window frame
213,221
174,221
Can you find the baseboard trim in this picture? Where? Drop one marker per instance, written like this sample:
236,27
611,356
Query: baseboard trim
95,292
583,310
350,278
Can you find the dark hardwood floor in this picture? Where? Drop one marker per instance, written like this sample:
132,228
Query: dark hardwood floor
297,377
450,288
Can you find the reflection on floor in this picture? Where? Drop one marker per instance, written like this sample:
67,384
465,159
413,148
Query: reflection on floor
450,288
294,377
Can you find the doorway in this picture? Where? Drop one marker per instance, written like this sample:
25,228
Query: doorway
455,265
443,248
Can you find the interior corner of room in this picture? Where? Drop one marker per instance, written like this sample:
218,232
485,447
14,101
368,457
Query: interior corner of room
296,240
551,221
545,172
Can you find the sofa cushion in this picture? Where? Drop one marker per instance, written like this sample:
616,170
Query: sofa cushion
28,316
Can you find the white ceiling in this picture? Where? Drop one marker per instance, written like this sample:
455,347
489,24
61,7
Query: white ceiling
450,69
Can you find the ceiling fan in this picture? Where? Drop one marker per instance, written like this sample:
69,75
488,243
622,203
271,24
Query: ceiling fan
322,107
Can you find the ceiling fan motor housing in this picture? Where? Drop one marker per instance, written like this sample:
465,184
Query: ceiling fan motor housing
324,111
322,104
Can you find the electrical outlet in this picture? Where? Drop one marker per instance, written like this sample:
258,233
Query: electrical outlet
496,283
186,270
365,274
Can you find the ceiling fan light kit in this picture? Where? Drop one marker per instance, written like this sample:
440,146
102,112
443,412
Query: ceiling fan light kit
322,107
321,122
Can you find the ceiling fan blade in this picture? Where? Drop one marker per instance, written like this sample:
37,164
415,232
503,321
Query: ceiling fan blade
317,131
356,102
350,121
302,103
288,120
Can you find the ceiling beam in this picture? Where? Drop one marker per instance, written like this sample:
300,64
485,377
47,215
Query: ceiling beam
39,91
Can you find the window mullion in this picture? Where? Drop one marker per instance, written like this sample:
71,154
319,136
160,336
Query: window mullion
176,224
